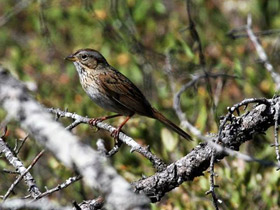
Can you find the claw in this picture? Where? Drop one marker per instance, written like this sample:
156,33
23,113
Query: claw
116,133
94,121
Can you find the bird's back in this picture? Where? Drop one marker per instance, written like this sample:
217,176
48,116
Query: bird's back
124,92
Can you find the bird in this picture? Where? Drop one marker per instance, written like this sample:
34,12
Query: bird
113,91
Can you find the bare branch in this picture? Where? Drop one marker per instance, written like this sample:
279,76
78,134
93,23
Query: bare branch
234,132
59,187
158,164
10,172
177,97
73,125
212,178
31,188
92,204
261,53
67,148
42,204
21,145
29,180
234,33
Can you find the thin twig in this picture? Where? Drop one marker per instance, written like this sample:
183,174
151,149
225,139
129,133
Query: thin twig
115,149
212,176
177,98
65,184
261,53
23,174
234,33
10,172
29,180
212,181
5,131
73,125
239,155
21,145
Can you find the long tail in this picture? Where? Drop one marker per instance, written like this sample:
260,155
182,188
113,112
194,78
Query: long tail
170,124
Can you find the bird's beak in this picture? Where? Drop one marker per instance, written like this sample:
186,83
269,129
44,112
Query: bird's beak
71,58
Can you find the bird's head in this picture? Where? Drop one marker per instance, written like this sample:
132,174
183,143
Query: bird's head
88,59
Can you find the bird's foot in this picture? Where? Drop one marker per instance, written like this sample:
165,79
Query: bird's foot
94,121
115,134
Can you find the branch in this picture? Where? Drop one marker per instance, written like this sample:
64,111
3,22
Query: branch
44,204
236,131
17,164
67,148
261,53
23,175
177,98
92,204
158,164
234,33
47,204
68,182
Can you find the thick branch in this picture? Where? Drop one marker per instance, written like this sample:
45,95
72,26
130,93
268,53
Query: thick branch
44,204
234,133
67,148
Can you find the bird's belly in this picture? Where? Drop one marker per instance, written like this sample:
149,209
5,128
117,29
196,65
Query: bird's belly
105,102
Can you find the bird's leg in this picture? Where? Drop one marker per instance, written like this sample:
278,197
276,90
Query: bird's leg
93,121
116,132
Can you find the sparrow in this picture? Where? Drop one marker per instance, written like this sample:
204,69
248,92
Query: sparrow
113,91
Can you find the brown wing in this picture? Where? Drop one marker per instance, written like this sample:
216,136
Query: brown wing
124,92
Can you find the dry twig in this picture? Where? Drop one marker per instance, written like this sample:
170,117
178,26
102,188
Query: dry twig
24,172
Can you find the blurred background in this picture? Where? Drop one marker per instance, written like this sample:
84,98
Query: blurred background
139,37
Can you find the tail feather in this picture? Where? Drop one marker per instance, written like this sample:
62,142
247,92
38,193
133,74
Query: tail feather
170,124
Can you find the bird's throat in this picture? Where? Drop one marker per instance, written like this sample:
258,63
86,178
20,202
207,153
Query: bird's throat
80,69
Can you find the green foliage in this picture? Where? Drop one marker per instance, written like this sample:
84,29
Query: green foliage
35,42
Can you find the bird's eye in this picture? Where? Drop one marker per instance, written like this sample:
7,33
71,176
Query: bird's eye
84,57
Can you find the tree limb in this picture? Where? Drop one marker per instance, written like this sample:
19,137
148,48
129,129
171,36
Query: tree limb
67,148
235,132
